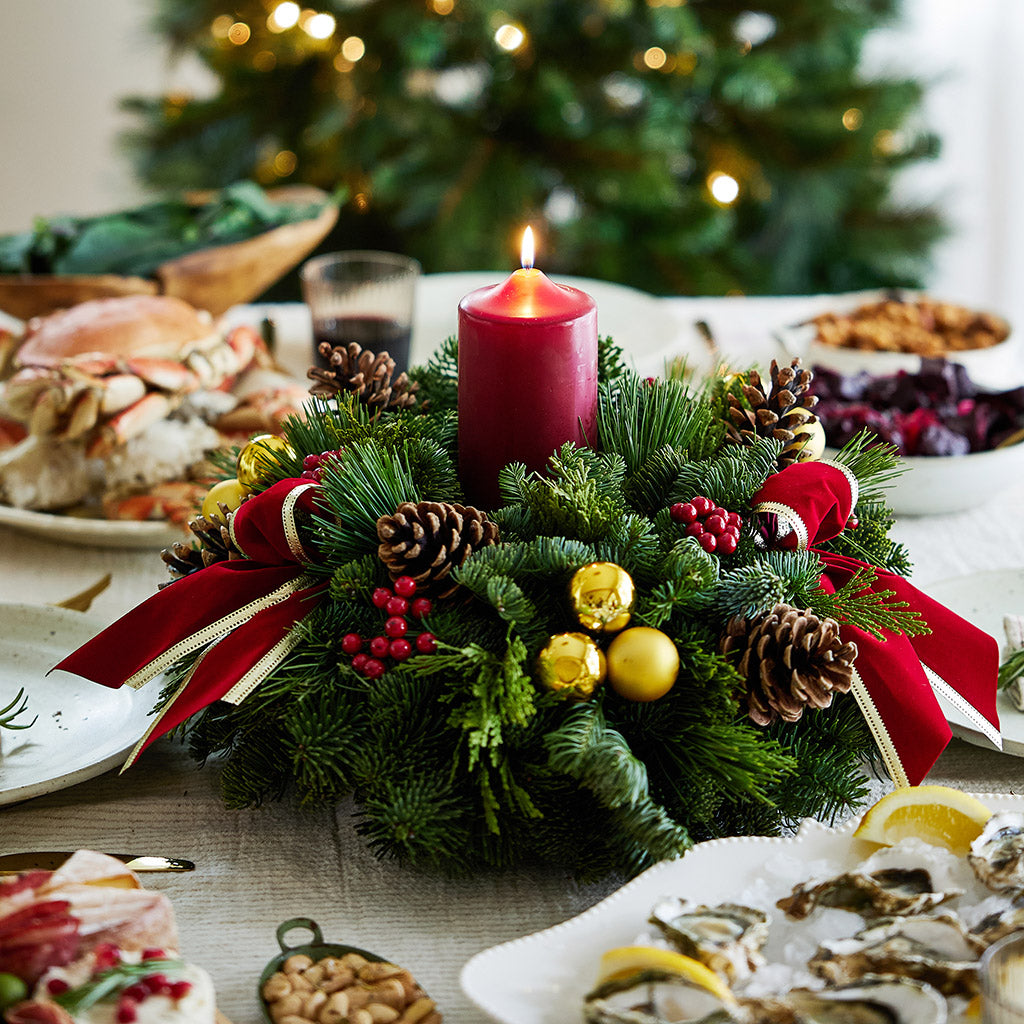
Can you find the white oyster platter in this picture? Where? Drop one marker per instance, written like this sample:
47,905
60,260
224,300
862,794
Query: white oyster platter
543,978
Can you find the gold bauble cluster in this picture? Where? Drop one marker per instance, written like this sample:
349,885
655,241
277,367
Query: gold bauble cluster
254,472
641,664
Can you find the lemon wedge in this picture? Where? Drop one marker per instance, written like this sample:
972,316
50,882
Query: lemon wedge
937,814
625,960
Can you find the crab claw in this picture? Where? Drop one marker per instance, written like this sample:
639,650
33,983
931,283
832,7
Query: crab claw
121,390
84,413
132,421
165,374
49,408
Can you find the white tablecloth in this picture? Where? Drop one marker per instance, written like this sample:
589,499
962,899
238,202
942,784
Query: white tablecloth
259,867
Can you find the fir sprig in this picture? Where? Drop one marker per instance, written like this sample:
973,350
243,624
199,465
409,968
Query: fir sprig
874,611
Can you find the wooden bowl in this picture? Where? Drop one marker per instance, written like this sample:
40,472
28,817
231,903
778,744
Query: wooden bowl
213,279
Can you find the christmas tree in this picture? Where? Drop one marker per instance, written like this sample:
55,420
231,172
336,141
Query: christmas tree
680,147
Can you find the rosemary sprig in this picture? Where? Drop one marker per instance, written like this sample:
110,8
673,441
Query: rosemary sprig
8,715
75,1000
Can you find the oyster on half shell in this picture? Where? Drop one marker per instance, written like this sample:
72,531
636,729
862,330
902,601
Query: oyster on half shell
654,997
997,855
881,999
727,937
992,927
903,879
937,950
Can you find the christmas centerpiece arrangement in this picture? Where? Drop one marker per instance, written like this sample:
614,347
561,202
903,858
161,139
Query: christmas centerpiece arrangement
528,607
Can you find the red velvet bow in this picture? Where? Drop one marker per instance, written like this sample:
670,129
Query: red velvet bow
242,612
898,676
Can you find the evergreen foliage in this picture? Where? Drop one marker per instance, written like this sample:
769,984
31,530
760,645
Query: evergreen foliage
459,760
446,142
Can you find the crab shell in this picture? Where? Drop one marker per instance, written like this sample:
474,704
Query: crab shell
106,369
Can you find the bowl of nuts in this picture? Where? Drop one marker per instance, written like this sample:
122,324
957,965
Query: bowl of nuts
321,982
882,332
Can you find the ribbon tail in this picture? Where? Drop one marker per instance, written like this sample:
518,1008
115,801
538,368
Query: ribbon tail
974,717
234,665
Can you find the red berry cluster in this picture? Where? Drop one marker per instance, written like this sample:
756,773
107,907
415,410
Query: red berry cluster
107,957
715,528
396,603
313,465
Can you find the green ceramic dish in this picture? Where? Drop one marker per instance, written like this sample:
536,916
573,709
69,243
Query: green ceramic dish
316,949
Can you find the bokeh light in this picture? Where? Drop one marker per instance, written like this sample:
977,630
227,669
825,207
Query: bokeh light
353,48
655,57
724,187
320,26
852,119
510,37
285,163
239,33
284,16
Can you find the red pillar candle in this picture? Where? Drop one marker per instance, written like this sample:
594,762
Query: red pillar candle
527,375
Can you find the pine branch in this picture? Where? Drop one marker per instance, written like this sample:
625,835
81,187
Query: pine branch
439,378
873,463
610,364
730,477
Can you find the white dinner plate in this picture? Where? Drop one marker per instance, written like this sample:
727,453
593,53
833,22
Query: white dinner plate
81,729
104,533
542,978
984,598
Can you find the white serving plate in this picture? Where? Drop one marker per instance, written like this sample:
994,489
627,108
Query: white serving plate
542,978
999,367
983,598
81,729
104,533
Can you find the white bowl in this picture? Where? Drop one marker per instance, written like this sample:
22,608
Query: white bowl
999,367
938,484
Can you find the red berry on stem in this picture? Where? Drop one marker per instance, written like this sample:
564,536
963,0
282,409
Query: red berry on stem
708,541
726,544
426,643
311,462
310,474
852,523
400,649
373,669
421,606
703,505
687,512
351,643
359,661
405,586
676,512
694,529
396,606
396,627
381,596
379,646
734,519
714,524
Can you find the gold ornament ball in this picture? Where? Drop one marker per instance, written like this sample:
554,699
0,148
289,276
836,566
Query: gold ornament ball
810,436
228,492
571,664
258,455
642,664
602,596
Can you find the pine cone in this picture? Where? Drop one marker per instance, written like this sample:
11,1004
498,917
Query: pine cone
215,546
364,373
427,540
790,659
777,412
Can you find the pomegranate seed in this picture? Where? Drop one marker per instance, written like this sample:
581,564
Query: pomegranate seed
180,989
311,462
379,646
395,627
126,1013
421,606
426,643
400,649
381,596
708,541
359,661
405,586
155,983
135,993
396,606
374,668
106,955
351,643
55,986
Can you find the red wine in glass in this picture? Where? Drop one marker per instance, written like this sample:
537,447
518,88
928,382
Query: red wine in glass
376,333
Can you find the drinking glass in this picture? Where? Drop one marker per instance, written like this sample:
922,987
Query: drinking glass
1002,981
362,296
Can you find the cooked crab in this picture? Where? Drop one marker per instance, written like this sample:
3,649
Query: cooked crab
105,370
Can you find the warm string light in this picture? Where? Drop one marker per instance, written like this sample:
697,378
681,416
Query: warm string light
443,6
852,119
723,187
284,16
239,33
510,37
320,26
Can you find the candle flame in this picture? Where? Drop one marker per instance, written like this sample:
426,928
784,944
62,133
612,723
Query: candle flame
526,252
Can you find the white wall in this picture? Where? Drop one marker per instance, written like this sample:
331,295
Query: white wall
64,64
